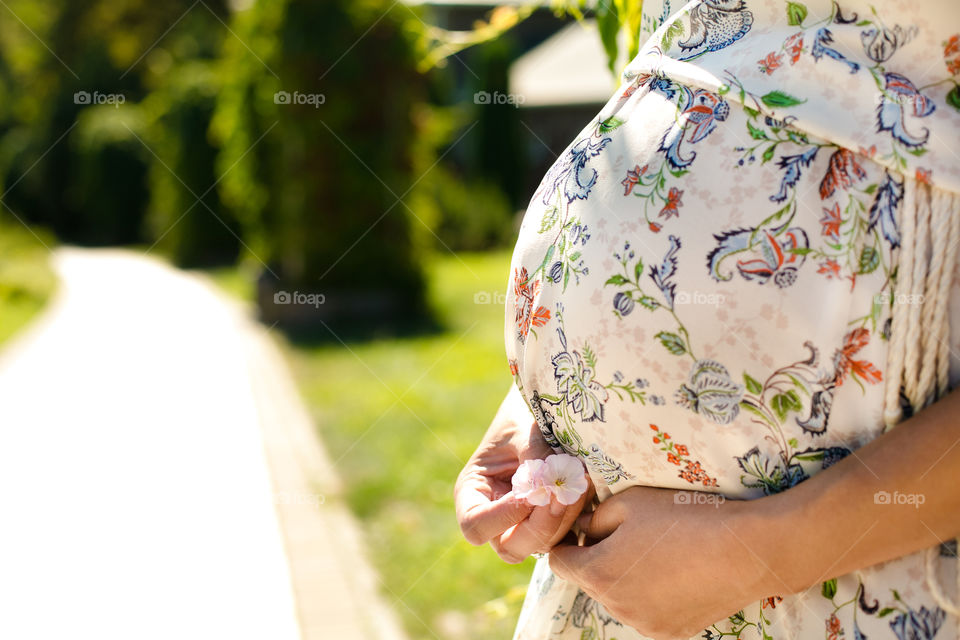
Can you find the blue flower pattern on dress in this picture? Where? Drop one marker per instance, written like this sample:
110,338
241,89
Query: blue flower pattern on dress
715,24
742,372
572,175
902,98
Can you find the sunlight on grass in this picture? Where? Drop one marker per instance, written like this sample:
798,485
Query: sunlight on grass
399,418
26,278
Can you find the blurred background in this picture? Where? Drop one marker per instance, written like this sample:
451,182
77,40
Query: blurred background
352,173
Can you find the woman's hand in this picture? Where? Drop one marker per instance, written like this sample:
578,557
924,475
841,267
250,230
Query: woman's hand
671,567
668,563
486,507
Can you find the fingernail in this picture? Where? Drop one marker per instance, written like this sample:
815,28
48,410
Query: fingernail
555,508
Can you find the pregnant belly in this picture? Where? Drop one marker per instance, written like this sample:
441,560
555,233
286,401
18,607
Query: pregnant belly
682,314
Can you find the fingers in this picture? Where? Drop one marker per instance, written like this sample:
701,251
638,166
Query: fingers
533,535
603,521
504,553
572,564
543,528
483,519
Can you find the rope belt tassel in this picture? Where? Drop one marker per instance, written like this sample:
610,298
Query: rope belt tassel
918,359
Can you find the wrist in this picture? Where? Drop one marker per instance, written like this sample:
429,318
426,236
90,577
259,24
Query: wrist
767,528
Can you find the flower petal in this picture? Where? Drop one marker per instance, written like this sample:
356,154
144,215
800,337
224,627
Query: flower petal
528,478
539,497
565,476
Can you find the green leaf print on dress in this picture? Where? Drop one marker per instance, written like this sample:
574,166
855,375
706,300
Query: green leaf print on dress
709,390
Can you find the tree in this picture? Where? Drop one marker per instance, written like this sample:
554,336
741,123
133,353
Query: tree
317,153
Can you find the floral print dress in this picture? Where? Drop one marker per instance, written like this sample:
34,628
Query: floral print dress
700,293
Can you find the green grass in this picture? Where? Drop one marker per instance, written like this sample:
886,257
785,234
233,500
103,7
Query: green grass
238,282
400,416
26,277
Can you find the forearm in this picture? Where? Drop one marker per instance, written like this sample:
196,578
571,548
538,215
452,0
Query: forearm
837,520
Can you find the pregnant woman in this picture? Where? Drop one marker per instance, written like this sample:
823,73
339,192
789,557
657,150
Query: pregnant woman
734,298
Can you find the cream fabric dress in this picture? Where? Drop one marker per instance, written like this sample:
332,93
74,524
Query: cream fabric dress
701,292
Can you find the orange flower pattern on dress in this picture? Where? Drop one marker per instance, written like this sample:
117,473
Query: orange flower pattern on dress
830,223
951,54
693,472
671,208
794,46
526,292
776,405
633,177
834,630
831,268
843,171
845,365
771,62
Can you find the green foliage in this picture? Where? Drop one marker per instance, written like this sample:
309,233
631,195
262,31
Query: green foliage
608,22
199,159
496,143
65,165
614,17
319,189
470,215
187,219
107,188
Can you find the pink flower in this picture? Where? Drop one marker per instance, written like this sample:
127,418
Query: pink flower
560,475
528,483
565,476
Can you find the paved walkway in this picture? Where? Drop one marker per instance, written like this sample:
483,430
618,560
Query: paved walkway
159,477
